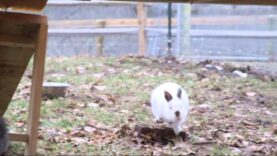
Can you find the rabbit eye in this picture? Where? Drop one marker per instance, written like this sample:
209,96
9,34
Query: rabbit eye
177,114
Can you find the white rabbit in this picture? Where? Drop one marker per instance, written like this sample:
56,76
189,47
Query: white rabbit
170,103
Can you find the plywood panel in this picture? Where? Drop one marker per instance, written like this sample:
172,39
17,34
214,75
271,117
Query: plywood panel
33,5
13,62
21,18
17,45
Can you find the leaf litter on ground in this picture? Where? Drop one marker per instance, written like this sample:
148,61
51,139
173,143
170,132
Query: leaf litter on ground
107,108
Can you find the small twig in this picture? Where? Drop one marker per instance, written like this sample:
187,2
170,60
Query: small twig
204,142
100,128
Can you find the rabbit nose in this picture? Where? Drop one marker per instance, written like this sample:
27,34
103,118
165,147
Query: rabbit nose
177,113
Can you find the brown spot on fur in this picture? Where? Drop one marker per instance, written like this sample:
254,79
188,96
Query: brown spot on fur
177,113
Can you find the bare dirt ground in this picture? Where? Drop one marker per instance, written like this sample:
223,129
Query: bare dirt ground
230,114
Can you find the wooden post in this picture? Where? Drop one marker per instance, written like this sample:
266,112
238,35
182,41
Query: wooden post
183,28
36,91
272,21
142,45
100,39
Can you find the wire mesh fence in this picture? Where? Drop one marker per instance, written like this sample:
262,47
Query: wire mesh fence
225,32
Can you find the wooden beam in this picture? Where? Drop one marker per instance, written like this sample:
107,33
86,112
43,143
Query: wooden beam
36,90
241,2
193,32
86,3
223,33
100,40
16,41
141,34
22,18
89,32
234,33
19,137
34,5
131,22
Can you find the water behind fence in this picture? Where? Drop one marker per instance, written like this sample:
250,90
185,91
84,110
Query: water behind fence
217,31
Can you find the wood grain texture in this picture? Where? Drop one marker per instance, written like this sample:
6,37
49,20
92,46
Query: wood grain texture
242,2
18,137
22,18
36,90
12,67
141,24
30,5
152,22
21,37
16,41
17,44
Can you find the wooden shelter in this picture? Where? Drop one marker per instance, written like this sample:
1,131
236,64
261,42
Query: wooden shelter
23,35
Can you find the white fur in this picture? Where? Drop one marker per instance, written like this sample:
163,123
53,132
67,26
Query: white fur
164,110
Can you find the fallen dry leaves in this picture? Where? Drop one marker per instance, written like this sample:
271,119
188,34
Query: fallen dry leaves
229,114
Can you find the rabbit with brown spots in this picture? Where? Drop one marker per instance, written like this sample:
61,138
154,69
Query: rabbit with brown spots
170,103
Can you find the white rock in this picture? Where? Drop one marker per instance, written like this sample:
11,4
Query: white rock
250,94
209,66
218,68
94,105
240,74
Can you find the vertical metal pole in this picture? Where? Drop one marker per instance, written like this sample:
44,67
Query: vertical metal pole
169,35
272,26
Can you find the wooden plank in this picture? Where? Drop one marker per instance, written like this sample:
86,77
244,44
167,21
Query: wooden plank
270,47
88,3
241,2
18,137
38,5
229,20
233,58
250,2
141,34
131,22
13,58
223,33
100,40
16,41
193,32
12,30
36,91
89,32
22,17
13,62
234,33
33,5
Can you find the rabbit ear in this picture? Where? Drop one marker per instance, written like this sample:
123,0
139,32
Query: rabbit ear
179,94
167,96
